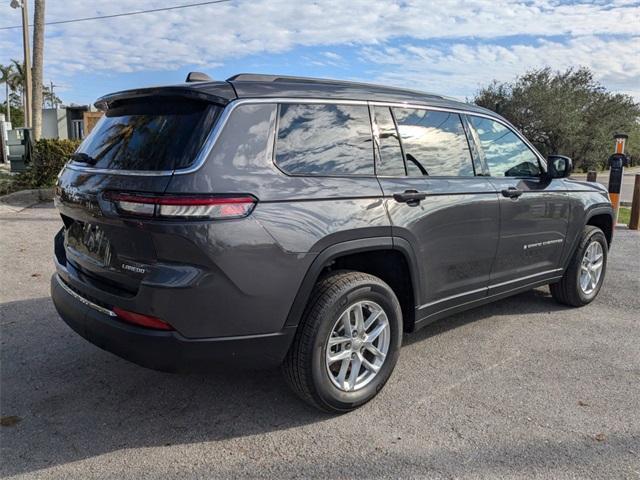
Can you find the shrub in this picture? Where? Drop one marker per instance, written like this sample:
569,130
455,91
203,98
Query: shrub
49,156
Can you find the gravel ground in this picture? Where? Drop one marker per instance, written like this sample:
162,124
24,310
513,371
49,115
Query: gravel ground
519,389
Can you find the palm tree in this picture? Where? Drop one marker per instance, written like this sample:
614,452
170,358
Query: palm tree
38,60
15,100
5,74
17,80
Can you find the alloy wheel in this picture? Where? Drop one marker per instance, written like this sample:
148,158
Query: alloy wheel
357,346
591,267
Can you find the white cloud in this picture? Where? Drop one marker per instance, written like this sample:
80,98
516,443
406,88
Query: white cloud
211,35
461,69
332,56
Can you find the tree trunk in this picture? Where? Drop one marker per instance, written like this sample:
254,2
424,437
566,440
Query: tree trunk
38,61
6,89
23,101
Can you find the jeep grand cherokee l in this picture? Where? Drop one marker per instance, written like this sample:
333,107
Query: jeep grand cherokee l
307,223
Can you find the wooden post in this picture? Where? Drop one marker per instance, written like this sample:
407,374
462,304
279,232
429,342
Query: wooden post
635,205
592,176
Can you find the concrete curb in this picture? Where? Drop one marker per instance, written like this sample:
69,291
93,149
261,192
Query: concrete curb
18,201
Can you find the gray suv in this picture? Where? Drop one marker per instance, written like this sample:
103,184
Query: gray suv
267,220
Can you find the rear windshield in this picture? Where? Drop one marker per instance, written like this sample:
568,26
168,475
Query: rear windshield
160,134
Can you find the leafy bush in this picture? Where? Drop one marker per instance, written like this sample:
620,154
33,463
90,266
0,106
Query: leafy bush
49,156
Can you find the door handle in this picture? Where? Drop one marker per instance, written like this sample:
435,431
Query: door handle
511,192
410,197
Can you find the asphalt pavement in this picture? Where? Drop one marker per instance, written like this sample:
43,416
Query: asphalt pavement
522,388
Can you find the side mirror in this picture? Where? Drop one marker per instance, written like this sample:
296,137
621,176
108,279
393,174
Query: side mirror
559,166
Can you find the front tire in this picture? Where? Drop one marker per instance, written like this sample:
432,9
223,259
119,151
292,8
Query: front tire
347,344
584,277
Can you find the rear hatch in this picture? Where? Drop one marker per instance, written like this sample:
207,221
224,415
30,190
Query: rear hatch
131,152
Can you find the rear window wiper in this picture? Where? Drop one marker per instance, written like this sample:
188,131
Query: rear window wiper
83,158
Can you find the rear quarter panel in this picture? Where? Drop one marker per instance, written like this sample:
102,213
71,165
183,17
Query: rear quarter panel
303,213
266,256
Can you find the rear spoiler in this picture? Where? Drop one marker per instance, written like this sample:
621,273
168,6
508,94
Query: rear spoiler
220,93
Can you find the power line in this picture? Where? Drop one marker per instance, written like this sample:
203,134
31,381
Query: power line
126,14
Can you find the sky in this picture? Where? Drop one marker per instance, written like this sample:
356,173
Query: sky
449,47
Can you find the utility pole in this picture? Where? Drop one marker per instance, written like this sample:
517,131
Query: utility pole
27,59
53,101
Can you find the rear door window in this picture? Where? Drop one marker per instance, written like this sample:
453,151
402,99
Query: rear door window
159,134
505,154
324,139
434,143
389,161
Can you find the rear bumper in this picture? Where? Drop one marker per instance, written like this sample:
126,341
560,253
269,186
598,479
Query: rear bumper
161,350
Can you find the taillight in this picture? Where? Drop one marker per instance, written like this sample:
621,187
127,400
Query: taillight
141,320
215,207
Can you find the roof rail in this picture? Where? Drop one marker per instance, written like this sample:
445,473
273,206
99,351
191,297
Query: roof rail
258,77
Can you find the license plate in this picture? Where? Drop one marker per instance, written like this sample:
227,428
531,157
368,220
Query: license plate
89,240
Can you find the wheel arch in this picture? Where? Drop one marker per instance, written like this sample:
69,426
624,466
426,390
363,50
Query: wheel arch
368,255
603,219
600,216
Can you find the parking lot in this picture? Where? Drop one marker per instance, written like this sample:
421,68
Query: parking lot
521,388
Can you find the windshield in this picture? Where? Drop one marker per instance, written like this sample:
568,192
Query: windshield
151,134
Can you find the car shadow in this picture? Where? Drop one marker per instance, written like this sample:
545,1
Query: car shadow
538,300
67,400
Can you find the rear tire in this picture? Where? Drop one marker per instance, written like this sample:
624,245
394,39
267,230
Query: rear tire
584,277
344,301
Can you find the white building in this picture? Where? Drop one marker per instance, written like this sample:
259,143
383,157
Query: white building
64,122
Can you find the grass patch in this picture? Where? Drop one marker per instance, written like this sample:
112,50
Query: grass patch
624,215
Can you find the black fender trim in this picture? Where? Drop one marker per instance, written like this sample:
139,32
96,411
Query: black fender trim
592,211
600,210
406,249
345,248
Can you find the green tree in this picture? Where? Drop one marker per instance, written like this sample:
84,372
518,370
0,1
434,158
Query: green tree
16,83
5,74
12,78
17,115
567,113
12,75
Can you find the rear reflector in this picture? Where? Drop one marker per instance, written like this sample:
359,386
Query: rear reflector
193,206
141,320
